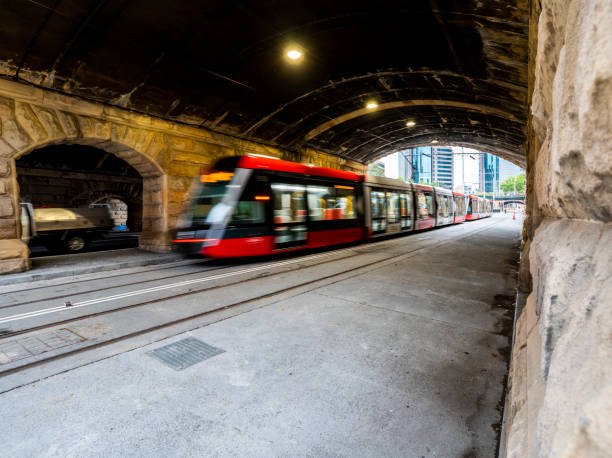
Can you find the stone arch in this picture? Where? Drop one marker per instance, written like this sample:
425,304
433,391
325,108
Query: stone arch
13,252
153,205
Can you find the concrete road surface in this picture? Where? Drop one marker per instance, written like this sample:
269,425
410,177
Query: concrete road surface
397,349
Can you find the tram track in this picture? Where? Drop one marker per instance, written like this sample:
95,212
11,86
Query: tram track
298,287
137,282
17,304
152,301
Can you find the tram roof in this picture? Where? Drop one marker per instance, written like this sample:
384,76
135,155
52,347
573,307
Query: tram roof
265,163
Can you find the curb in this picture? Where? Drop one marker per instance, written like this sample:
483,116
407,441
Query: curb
71,272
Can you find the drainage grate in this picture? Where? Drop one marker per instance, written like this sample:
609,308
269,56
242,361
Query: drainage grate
184,353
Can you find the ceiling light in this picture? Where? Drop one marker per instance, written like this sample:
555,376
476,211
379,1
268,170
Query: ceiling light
434,141
294,54
371,105
410,124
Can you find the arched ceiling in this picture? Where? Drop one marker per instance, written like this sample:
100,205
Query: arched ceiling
457,68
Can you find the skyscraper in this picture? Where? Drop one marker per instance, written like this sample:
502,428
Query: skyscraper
489,173
442,166
420,159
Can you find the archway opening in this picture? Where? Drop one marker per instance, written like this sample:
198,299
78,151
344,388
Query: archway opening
459,169
95,183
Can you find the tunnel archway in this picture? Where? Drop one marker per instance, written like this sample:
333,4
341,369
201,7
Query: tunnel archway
98,170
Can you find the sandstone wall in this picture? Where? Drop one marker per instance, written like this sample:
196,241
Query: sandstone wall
560,387
167,155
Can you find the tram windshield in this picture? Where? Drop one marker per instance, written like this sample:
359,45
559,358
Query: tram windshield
208,205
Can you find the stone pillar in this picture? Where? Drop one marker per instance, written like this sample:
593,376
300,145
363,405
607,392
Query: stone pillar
14,254
560,391
155,232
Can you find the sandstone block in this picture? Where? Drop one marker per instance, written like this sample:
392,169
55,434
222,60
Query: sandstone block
86,126
102,129
157,146
6,206
12,133
571,264
13,248
29,122
12,266
8,228
4,167
68,123
50,122
196,158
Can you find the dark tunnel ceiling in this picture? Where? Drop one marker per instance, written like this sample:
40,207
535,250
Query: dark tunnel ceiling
458,68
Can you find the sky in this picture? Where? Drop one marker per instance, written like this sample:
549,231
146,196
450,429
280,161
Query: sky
465,167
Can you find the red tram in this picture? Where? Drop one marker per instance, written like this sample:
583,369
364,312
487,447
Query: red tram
478,208
252,206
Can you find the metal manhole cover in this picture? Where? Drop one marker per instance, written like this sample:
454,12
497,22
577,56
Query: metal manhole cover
184,353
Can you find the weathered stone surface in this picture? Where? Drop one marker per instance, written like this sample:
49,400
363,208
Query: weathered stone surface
50,122
13,248
12,134
574,294
68,123
569,255
6,206
29,122
12,266
5,167
574,170
526,388
8,229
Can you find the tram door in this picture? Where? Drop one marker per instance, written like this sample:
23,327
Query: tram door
393,212
289,222
379,210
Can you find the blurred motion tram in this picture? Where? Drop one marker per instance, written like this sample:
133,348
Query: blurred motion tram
252,206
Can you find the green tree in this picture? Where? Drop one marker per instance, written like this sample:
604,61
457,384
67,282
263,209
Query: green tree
520,183
513,184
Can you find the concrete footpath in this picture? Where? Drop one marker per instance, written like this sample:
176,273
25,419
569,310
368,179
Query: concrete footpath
406,360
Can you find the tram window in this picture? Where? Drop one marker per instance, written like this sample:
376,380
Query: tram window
289,203
406,210
331,203
249,209
249,212
392,207
378,204
425,207
459,205
469,208
441,206
345,201
449,206
377,199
